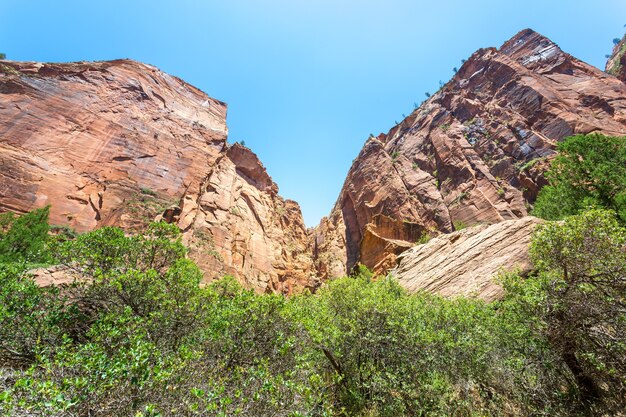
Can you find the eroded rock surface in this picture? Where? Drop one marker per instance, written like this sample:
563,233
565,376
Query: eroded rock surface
55,276
474,152
465,263
237,225
616,64
122,143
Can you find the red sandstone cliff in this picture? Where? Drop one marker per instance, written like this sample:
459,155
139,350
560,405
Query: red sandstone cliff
616,64
122,143
472,153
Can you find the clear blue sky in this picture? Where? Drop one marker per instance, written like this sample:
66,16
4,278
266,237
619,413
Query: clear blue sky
305,81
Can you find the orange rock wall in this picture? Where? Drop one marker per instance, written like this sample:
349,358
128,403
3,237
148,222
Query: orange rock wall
122,143
473,153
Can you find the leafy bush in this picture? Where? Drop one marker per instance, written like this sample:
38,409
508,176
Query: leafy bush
23,238
138,336
459,225
576,302
148,191
590,170
390,353
425,237
32,319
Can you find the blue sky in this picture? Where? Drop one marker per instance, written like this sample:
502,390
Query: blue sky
305,81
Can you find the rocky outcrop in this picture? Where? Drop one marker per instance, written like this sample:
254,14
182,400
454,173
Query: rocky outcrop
122,143
474,152
465,263
237,225
57,276
616,64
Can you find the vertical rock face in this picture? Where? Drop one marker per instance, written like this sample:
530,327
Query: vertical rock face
473,153
237,225
616,64
122,143
88,138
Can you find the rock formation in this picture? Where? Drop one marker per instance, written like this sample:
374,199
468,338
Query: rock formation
467,261
57,276
616,64
473,153
122,143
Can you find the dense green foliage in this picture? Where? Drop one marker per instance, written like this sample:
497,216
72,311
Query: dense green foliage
589,171
383,352
136,335
577,302
23,238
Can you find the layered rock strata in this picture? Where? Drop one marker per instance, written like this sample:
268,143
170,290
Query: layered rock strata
467,262
473,153
122,143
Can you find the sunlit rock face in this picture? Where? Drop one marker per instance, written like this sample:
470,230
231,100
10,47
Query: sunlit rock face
468,262
123,143
473,153
616,64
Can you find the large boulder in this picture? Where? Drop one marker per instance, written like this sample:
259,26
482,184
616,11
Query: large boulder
466,262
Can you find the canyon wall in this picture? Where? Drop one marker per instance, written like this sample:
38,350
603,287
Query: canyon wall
122,143
616,62
473,153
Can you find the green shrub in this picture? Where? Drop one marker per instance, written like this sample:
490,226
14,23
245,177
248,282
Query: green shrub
576,303
425,237
148,191
528,165
384,352
63,232
138,335
24,238
459,225
32,319
590,170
